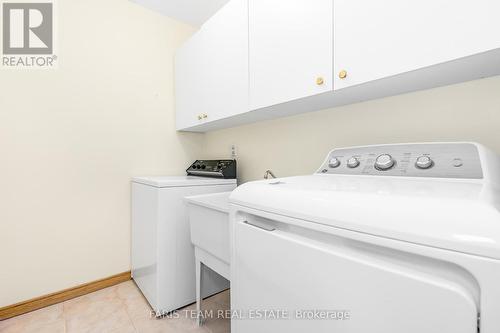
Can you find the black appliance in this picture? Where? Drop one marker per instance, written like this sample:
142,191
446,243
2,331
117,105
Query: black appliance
213,168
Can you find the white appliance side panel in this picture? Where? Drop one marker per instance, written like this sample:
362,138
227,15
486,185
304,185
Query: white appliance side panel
143,248
279,270
176,273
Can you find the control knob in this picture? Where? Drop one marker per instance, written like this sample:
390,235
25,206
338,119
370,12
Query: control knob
353,162
384,162
334,162
424,162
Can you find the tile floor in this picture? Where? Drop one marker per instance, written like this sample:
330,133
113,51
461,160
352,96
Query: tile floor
118,309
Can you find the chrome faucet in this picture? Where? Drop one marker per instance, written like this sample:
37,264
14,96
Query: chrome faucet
268,174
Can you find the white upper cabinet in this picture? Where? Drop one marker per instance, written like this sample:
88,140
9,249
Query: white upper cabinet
211,69
188,65
262,59
290,47
377,39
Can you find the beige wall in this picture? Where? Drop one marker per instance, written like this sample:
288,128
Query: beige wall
71,138
298,144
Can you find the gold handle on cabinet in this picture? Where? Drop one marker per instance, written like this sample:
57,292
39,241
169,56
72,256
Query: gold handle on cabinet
199,117
343,74
319,80
205,116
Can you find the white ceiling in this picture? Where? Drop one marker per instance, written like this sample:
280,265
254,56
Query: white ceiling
194,12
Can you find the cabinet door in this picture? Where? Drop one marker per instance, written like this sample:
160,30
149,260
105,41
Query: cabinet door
377,39
189,84
290,47
212,68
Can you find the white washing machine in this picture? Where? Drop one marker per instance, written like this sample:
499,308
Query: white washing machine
163,263
381,239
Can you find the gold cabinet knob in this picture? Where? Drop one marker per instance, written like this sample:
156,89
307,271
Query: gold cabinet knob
319,81
199,117
205,116
343,74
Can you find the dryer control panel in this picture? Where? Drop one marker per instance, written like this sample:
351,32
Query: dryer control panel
213,168
441,160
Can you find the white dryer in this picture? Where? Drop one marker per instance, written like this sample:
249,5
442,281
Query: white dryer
381,239
163,262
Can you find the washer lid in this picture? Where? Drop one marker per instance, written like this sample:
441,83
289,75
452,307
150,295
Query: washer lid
459,215
176,181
